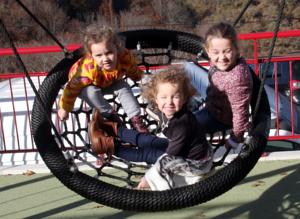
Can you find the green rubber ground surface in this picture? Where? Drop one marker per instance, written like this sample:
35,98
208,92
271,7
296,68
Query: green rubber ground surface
271,190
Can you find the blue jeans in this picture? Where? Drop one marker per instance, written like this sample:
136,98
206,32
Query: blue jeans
148,147
208,123
199,78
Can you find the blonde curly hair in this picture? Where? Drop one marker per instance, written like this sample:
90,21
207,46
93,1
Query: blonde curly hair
173,75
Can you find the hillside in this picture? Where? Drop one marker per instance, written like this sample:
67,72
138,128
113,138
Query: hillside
67,19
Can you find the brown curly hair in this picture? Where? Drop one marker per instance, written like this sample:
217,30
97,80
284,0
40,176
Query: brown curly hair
173,75
97,34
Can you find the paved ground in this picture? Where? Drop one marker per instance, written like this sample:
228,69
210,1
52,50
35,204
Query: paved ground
271,190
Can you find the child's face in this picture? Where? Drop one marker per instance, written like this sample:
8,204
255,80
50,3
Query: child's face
169,98
222,53
105,55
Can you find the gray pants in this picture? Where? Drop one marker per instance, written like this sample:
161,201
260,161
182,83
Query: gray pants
94,96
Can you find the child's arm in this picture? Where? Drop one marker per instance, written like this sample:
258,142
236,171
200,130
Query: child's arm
143,184
239,95
128,62
63,114
72,91
79,78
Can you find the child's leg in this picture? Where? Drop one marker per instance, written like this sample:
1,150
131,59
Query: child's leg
198,76
142,140
155,179
208,123
129,104
143,184
93,95
148,154
128,101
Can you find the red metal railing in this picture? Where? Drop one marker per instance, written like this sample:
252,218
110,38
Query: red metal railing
16,102
37,49
15,112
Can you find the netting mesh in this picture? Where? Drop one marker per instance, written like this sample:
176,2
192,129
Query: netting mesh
74,133
109,183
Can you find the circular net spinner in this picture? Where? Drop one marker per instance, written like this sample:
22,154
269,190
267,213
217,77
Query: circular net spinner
75,165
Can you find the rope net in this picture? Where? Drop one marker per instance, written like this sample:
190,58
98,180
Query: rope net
67,150
74,135
70,158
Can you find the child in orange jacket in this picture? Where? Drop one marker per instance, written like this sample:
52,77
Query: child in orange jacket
101,72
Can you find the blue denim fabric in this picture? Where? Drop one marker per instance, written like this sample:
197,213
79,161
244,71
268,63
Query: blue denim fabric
147,154
208,123
148,147
198,76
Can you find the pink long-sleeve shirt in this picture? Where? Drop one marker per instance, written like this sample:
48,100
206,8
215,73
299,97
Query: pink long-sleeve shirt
229,95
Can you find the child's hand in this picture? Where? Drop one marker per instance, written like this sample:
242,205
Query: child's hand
63,114
143,184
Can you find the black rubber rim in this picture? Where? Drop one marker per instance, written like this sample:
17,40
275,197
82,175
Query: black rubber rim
156,38
136,200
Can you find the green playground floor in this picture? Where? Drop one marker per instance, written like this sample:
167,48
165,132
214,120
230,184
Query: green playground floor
271,190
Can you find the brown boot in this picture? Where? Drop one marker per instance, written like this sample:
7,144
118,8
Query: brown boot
114,117
100,142
138,124
110,125
111,128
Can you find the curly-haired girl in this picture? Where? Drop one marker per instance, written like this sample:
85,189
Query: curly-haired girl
183,155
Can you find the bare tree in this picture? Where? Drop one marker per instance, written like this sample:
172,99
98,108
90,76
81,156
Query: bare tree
174,13
129,20
51,16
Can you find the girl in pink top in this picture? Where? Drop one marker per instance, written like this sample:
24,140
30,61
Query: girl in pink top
227,88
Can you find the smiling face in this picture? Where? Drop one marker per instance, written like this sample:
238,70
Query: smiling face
169,98
222,53
105,55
